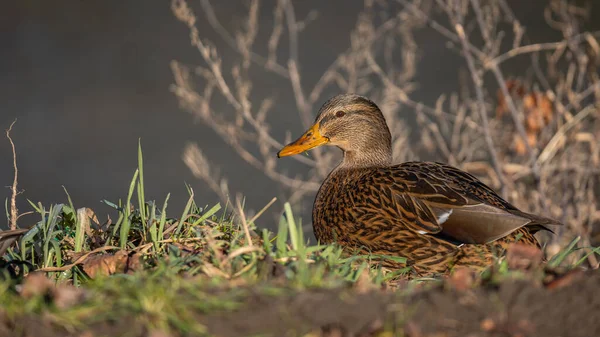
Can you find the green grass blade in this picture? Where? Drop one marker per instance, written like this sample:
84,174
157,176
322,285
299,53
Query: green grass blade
141,189
207,214
34,206
115,206
57,253
53,218
592,251
69,198
293,230
267,245
29,236
152,223
6,210
51,222
119,222
562,255
282,236
126,225
186,211
163,218
82,222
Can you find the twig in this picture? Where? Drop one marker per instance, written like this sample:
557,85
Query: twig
302,103
537,47
494,67
478,83
439,28
293,63
262,210
552,146
212,19
582,95
14,212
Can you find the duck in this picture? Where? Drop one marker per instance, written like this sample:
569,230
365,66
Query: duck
434,216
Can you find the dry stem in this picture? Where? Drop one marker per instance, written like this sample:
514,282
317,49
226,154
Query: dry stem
14,212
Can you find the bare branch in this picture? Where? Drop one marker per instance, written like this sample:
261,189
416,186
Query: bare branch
478,83
267,63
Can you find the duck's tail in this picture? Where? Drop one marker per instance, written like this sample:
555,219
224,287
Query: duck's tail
538,222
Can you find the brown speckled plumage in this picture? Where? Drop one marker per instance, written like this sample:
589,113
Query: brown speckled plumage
435,215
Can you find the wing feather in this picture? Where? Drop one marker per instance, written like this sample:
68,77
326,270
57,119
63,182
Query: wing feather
437,198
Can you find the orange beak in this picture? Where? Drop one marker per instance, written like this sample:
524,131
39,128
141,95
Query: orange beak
310,139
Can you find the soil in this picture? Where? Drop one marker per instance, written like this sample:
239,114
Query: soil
515,308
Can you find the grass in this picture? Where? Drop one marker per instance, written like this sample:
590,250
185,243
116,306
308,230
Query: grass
164,272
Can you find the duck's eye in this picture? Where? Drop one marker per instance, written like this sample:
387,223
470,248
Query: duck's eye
340,114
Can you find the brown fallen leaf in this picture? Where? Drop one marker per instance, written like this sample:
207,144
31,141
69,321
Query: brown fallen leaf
107,264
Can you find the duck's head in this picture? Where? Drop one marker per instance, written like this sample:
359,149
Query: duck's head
354,124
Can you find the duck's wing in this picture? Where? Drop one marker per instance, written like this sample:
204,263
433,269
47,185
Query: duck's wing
435,198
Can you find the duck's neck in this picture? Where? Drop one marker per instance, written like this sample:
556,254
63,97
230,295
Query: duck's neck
374,157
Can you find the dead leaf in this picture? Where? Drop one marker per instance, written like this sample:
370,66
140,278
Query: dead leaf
92,215
537,111
514,87
519,145
107,264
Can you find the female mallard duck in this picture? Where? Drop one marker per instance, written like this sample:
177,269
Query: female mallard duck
435,215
